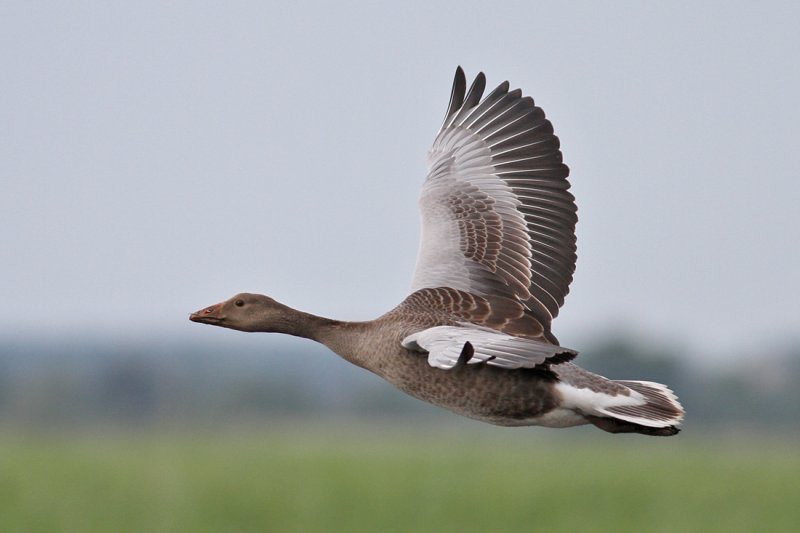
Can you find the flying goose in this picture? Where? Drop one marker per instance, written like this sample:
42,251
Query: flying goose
495,262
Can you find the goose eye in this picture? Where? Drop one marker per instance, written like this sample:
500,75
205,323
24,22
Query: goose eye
238,303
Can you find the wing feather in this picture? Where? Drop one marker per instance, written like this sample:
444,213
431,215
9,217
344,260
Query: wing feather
445,345
498,219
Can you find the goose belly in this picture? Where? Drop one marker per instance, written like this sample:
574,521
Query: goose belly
521,397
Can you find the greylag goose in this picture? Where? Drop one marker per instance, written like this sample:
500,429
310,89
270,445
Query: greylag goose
495,262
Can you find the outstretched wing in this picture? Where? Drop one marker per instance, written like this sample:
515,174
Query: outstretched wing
497,218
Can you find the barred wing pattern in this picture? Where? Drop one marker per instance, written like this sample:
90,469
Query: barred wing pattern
497,216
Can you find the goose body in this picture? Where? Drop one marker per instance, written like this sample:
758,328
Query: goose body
496,259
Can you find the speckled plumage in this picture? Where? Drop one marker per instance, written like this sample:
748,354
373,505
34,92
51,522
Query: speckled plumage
478,391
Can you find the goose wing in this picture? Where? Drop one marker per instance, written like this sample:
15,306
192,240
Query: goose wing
446,347
497,216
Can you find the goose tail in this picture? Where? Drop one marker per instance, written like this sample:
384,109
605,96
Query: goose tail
657,413
641,407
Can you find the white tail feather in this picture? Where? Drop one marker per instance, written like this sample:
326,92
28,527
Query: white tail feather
647,404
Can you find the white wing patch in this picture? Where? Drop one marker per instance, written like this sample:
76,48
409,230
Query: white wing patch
444,345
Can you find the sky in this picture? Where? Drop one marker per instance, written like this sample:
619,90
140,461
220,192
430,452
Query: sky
158,157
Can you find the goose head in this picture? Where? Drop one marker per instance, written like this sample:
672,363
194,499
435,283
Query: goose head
247,312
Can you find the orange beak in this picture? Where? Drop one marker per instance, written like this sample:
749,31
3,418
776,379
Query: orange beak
209,315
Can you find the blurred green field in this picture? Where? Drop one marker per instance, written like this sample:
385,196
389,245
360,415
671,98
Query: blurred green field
379,479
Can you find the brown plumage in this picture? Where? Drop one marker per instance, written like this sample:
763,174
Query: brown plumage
495,264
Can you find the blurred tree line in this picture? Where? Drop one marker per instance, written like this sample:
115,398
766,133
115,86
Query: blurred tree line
84,382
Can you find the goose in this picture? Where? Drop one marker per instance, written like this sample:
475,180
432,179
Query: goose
497,255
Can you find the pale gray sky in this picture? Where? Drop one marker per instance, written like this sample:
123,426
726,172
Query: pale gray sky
157,157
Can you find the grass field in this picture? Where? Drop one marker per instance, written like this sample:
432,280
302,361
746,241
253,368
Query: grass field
378,479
